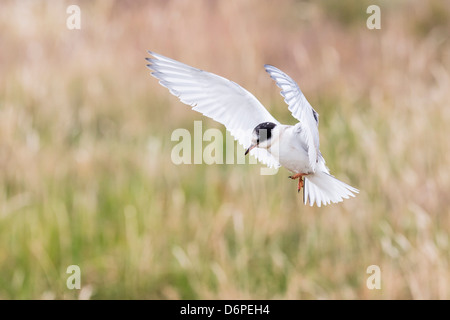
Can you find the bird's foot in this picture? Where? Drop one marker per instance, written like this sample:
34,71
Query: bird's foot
300,184
298,176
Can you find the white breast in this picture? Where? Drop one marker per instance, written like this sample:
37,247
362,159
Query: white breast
290,151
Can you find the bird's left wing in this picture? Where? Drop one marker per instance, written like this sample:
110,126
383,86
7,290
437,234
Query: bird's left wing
301,110
216,97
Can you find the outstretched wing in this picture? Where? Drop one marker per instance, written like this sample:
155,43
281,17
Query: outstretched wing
215,97
301,110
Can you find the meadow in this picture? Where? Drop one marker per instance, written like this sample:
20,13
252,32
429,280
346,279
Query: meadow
87,179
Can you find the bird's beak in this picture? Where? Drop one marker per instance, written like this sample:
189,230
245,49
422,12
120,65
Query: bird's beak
250,148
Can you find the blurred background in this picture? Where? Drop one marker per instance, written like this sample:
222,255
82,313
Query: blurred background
85,152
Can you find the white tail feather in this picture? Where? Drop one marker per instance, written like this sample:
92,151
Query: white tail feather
323,188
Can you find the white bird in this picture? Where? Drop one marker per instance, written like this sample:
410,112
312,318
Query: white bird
272,143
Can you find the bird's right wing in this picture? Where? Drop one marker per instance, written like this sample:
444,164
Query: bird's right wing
301,110
216,97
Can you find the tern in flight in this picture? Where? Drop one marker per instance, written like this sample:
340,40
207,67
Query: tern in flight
295,147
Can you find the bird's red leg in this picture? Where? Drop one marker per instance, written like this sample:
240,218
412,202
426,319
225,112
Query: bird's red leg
298,176
300,184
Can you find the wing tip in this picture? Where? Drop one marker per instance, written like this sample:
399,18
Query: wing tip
270,69
152,53
156,56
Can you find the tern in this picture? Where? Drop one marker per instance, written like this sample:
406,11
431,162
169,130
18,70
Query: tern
295,147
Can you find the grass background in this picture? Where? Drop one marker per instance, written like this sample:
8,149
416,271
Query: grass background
86,176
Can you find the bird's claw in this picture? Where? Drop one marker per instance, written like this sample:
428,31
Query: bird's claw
300,184
298,176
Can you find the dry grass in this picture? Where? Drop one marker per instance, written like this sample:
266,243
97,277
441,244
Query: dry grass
85,153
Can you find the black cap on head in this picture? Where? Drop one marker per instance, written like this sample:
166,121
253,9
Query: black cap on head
264,131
